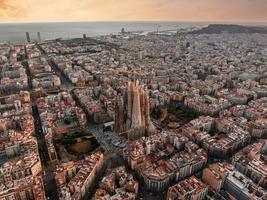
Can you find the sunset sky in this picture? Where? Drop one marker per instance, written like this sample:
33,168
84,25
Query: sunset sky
133,10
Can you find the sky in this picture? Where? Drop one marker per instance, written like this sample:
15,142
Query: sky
132,10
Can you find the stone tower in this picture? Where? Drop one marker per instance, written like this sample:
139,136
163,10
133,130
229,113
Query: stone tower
132,113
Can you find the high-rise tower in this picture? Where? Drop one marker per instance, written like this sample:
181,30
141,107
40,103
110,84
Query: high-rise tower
28,37
39,36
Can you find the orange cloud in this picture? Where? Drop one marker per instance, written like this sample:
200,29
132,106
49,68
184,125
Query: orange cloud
119,10
9,10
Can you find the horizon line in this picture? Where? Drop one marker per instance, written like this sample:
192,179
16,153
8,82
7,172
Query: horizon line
140,21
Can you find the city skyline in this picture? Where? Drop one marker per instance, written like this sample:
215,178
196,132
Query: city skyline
164,114
133,99
141,10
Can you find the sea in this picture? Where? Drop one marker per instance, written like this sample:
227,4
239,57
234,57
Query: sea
16,32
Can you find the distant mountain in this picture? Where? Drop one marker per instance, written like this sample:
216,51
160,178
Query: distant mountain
229,28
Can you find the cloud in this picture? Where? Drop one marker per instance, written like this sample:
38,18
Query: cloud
97,10
10,10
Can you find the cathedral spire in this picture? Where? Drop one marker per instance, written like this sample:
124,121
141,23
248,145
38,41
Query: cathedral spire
132,113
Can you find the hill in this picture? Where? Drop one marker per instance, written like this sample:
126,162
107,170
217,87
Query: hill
229,28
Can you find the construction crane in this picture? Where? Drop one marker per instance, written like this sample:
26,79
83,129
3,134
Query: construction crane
256,188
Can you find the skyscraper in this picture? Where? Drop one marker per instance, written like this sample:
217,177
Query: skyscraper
28,37
39,36
132,113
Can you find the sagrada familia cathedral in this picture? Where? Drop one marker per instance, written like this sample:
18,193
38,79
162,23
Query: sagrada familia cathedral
132,113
